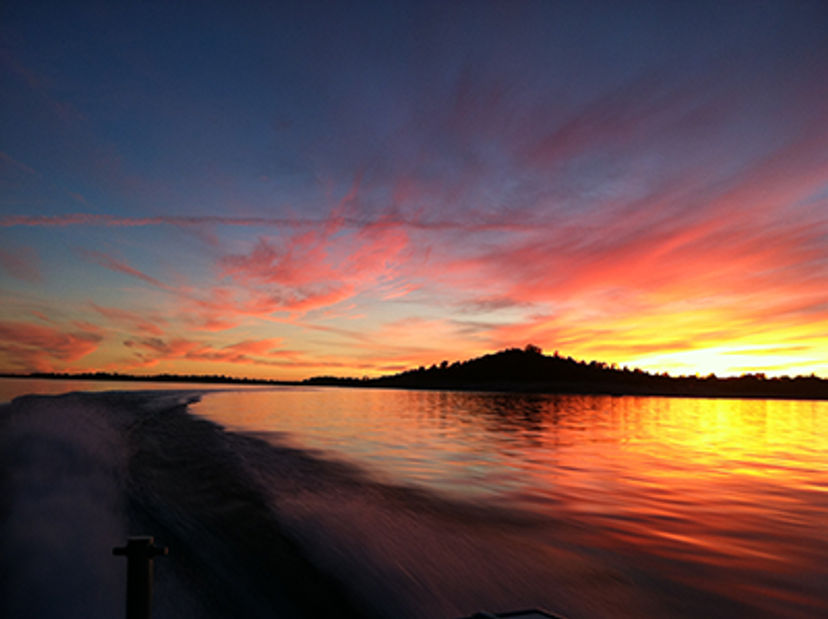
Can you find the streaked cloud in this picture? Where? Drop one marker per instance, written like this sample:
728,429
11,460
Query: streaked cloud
145,324
33,347
434,185
7,160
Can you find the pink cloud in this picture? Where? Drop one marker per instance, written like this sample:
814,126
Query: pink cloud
113,264
614,117
316,269
470,222
146,324
672,241
695,232
207,322
41,316
31,347
88,327
255,347
77,197
299,281
90,219
148,352
216,309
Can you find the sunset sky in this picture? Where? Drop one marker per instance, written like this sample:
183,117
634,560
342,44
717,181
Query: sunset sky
285,190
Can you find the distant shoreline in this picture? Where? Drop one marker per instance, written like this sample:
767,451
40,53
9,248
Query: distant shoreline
517,371
564,389
162,378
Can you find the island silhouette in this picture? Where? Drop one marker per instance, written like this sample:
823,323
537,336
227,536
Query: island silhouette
525,369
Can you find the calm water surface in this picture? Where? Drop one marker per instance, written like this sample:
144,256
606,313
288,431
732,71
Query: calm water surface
655,506
728,498
11,388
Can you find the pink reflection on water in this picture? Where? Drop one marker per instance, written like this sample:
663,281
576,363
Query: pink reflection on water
706,504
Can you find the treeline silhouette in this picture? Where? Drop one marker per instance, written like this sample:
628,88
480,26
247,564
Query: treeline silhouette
528,369
154,378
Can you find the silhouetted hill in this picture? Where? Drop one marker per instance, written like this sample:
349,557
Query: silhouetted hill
530,370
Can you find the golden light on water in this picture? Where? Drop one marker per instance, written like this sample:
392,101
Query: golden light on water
723,498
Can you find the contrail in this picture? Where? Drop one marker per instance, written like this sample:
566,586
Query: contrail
89,219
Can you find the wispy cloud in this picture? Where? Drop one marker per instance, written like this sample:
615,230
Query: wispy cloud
10,161
22,263
470,223
152,351
145,324
33,347
321,267
427,203
114,264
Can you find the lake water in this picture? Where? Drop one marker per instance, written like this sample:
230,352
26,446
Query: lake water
11,388
723,498
591,506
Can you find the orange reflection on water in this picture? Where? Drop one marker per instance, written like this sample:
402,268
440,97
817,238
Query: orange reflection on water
738,486
723,500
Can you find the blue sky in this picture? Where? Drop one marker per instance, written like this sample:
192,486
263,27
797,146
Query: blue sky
356,188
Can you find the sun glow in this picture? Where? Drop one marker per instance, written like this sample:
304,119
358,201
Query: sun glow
616,211
732,360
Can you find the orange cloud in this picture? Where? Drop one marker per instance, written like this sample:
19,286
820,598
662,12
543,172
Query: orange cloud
245,358
31,347
316,269
692,258
150,350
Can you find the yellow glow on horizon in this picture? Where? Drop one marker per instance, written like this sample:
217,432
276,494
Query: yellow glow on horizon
722,339
732,360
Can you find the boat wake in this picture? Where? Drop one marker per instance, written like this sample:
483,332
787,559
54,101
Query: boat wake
257,527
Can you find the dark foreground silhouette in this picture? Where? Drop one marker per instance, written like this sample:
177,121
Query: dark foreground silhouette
530,370
526,370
